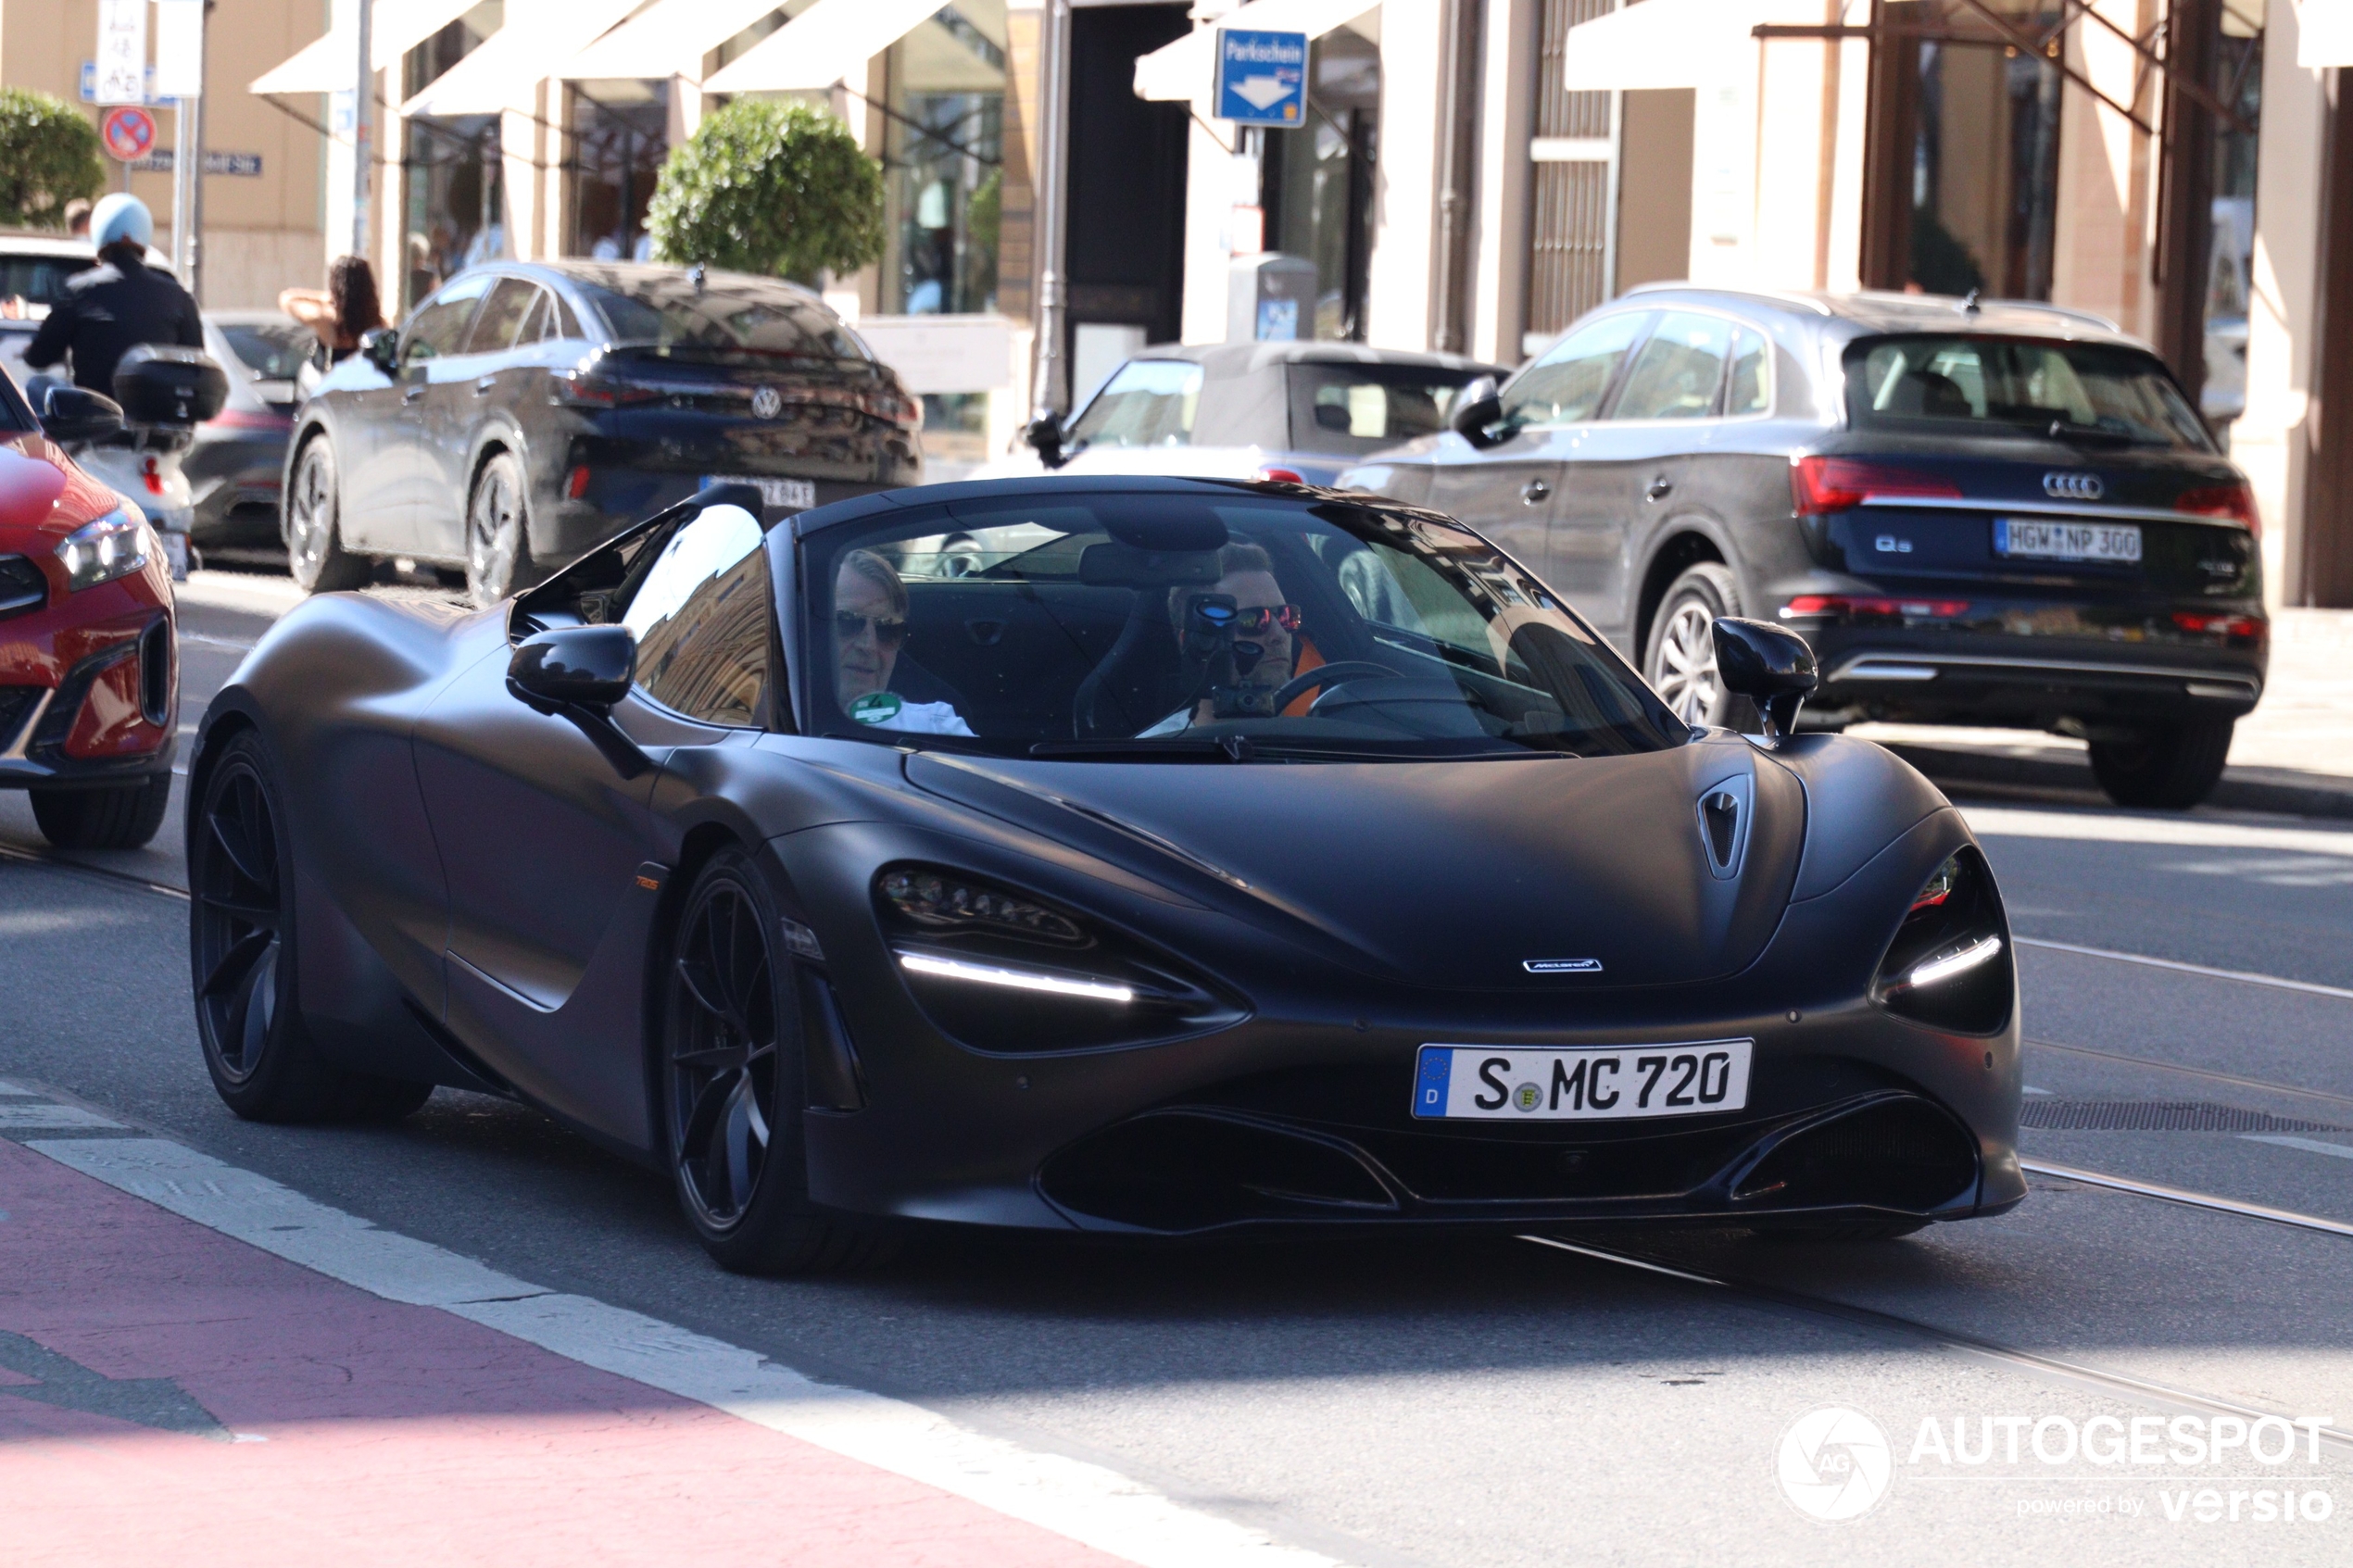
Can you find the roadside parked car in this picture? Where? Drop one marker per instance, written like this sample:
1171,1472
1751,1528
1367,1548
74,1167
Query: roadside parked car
1301,411
2003,515
238,461
525,412
1238,856
89,671
35,267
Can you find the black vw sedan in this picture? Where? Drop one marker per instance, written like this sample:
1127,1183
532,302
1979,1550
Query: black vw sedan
2004,515
525,412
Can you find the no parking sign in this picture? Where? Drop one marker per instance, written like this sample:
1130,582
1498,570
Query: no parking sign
128,134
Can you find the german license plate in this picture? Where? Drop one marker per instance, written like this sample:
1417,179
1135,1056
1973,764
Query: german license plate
2024,538
785,494
1602,1084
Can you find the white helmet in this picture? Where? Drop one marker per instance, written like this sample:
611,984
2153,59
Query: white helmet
122,216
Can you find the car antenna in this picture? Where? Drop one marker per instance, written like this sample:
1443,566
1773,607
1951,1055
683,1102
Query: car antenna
1968,306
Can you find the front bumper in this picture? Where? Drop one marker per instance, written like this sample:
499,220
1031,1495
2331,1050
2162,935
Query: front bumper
1299,1115
89,685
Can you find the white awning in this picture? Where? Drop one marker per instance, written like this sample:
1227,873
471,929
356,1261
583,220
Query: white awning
668,38
1667,44
830,42
329,64
501,74
1182,69
2324,34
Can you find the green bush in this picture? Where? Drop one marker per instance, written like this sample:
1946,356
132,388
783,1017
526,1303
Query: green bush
48,155
769,187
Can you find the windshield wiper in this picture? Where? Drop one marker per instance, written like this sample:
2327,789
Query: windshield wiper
1202,748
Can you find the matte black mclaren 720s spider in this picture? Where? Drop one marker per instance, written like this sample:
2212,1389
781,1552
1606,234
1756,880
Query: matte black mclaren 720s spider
1152,855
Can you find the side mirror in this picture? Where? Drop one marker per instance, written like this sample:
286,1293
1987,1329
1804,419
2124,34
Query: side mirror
381,349
71,414
584,667
1477,411
1045,434
1770,665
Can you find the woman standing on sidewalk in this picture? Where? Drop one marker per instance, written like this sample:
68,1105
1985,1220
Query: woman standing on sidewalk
348,312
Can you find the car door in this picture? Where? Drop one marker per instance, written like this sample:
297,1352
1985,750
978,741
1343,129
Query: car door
554,854
461,389
1512,490
1631,462
406,467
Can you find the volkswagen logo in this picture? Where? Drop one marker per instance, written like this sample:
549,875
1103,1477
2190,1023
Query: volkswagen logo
767,403
2073,486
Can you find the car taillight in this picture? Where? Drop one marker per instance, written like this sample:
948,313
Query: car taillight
1278,476
905,412
1863,607
587,388
1832,484
578,486
2233,501
2200,623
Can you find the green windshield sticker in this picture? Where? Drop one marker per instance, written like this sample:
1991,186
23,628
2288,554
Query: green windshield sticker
877,708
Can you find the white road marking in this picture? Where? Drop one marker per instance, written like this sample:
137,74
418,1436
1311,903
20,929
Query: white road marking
1086,1502
2239,974
39,1117
2010,822
212,642
2310,1145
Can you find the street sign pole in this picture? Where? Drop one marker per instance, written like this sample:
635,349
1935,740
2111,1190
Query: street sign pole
363,101
1050,394
195,152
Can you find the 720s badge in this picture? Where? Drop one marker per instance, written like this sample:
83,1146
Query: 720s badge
1604,1083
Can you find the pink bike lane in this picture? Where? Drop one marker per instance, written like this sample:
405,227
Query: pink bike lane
171,1393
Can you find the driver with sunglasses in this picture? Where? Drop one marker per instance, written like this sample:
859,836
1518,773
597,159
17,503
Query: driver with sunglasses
870,627
1266,627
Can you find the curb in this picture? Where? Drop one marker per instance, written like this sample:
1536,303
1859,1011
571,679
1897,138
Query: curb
2237,792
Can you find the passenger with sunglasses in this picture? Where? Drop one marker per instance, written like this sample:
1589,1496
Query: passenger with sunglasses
1265,628
870,627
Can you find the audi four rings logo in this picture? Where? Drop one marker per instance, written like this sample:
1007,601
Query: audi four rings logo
767,403
2073,486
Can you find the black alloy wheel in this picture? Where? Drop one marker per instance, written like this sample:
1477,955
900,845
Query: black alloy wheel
497,555
315,556
2170,768
733,1087
240,947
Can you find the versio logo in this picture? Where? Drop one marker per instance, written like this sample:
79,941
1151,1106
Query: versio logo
1834,1463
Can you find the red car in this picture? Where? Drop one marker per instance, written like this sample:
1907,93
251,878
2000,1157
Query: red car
89,670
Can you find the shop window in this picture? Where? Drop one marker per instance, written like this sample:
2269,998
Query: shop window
1985,162
618,137
454,202
1318,180
943,164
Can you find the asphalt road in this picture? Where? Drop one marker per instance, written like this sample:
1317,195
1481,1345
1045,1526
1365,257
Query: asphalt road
1500,1402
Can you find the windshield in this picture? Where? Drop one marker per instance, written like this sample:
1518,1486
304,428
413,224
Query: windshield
729,314
272,350
1201,628
1948,384
1352,410
1146,403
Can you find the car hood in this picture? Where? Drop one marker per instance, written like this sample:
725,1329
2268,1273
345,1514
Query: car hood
44,495
1446,874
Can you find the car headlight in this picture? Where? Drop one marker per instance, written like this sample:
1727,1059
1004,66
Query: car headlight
115,545
1950,964
1002,970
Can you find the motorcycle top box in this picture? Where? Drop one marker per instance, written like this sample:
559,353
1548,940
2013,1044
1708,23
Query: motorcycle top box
159,385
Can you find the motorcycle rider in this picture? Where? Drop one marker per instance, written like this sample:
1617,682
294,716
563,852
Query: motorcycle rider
120,303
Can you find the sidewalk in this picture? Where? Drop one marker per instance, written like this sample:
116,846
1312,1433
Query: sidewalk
2293,754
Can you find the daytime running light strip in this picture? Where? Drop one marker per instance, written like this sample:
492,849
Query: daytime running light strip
1016,979
1969,958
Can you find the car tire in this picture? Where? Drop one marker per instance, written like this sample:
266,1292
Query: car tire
117,817
732,1087
257,1043
2167,770
315,556
1679,658
498,531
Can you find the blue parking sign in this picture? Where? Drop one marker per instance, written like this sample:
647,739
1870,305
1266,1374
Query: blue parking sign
1261,77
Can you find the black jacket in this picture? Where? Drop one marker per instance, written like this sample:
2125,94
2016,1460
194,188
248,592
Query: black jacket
108,311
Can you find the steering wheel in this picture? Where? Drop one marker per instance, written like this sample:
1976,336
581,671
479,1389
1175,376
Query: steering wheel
1329,676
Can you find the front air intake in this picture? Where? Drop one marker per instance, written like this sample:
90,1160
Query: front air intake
1898,1153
